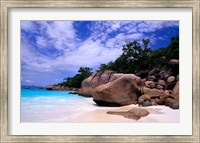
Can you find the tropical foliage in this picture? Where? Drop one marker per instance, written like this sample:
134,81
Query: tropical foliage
137,57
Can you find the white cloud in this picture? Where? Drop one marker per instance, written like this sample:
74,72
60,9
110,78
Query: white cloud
102,46
32,59
151,26
27,26
41,41
59,34
121,39
92,53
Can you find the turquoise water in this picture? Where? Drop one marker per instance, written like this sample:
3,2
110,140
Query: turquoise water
39,105
34,93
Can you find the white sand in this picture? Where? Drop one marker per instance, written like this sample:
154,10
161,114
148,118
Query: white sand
92,113
158,114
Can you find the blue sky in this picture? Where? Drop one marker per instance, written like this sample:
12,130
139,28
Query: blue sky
53,50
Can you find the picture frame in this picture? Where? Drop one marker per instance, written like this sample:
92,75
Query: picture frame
6,5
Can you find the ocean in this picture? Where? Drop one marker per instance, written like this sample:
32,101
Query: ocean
40,105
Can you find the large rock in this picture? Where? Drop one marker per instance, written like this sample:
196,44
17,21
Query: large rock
96,79
170,79
171,82
172,69
175,91
122,91
162,83
174,66
153,96
115,76
172,103
134,113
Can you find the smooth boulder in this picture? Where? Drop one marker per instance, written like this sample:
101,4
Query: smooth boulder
134,113
122,91
96,79
170,79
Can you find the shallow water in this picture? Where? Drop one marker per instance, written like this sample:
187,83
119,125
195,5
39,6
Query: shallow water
47,106
43,105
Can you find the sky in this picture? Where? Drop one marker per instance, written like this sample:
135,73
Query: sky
54,50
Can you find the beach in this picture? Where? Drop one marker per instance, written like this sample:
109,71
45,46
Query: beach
158,114
61,107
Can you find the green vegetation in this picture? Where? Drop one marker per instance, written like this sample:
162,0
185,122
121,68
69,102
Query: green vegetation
76,80
136,57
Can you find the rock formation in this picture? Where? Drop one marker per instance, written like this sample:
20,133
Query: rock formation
146,88
174,102
122,91
134,113
57,87
95,80
161,87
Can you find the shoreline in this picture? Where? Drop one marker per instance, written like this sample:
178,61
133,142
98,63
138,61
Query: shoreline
85,110
98,114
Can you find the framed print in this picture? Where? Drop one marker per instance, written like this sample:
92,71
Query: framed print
99,71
